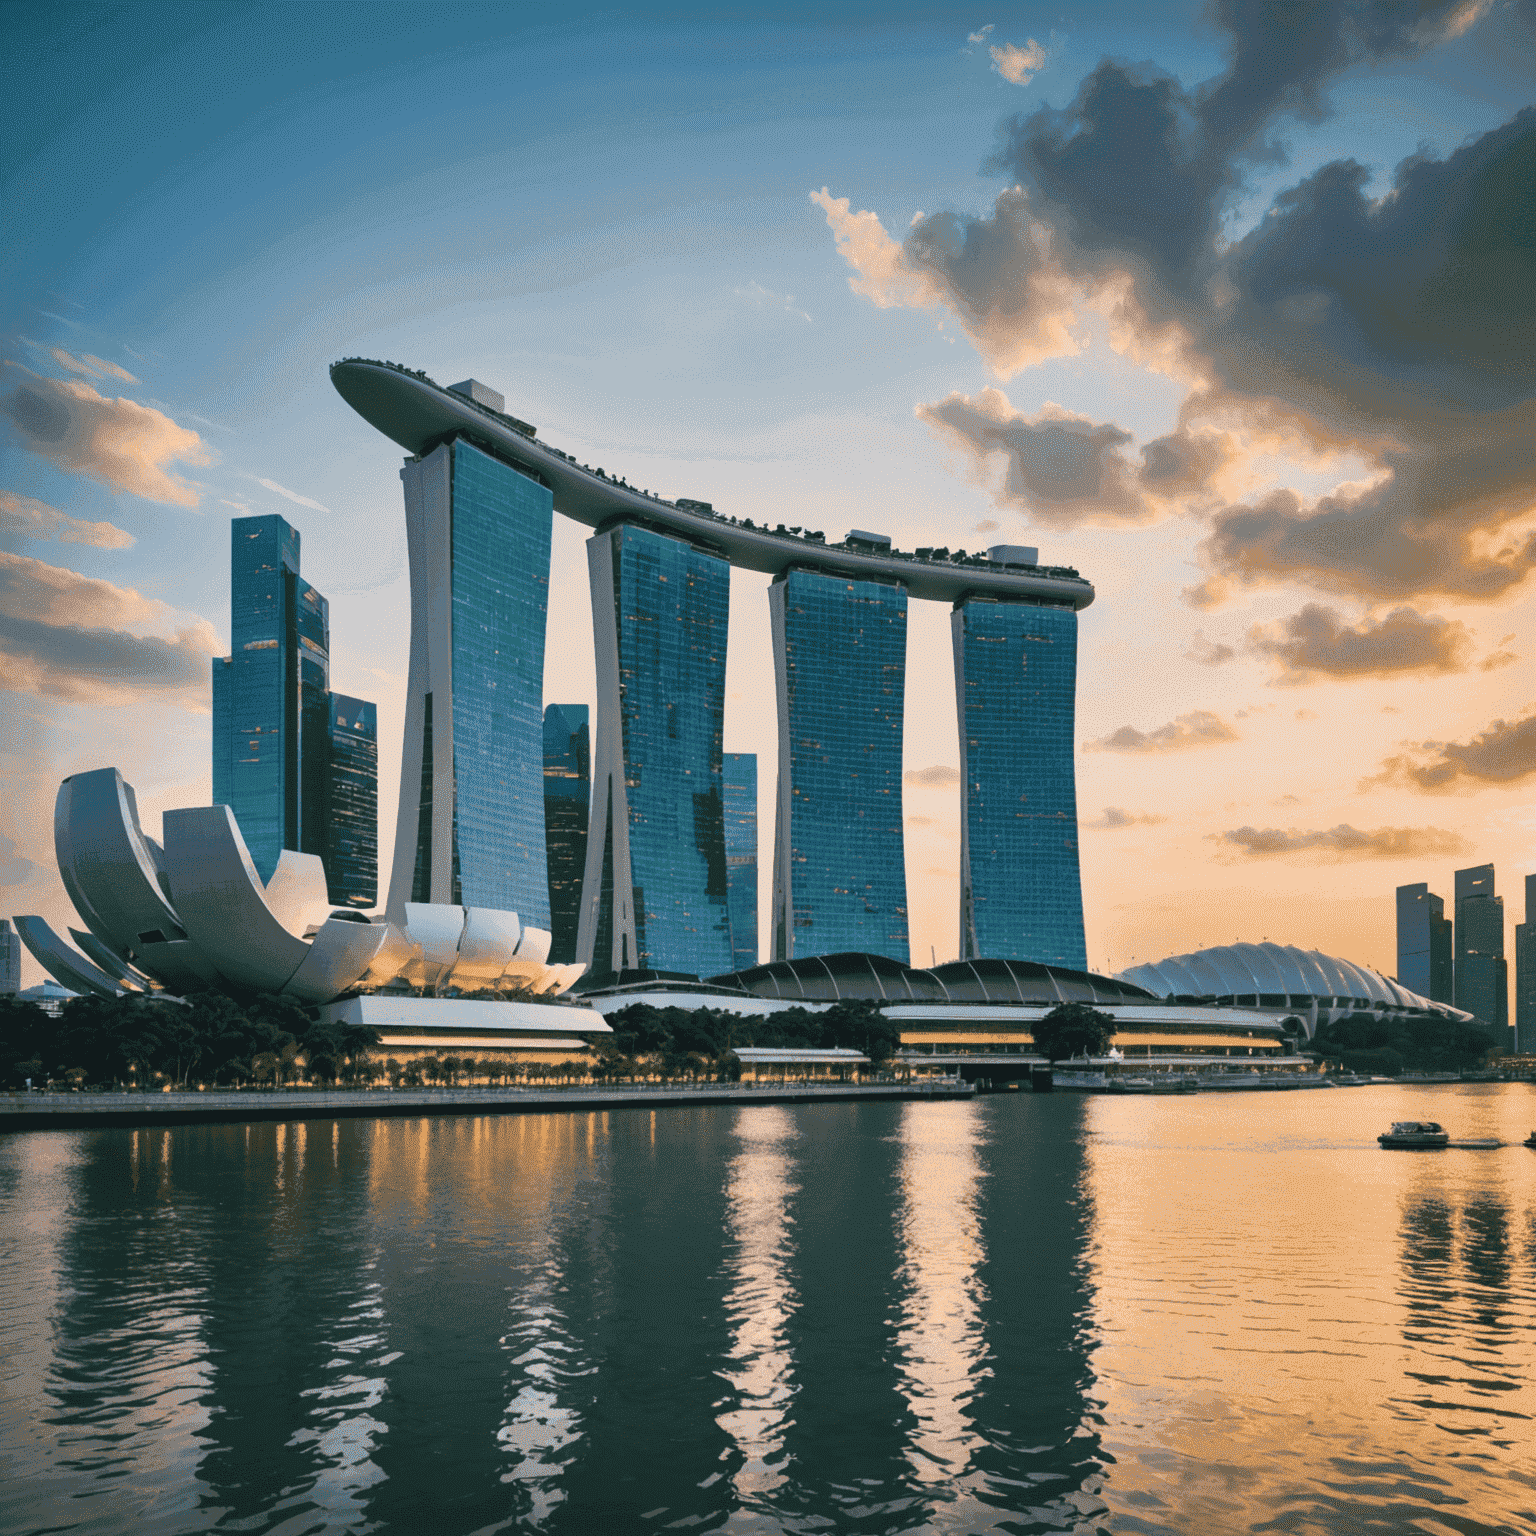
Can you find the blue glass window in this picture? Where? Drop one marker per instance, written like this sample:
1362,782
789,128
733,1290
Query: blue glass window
1020,890
741,854
842,680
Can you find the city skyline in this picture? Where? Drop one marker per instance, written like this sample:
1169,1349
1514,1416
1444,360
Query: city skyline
1305,740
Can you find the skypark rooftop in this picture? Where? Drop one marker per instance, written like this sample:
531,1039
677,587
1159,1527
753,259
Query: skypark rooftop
419,414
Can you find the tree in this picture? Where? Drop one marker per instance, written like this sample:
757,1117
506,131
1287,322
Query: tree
1073,1029
24,1029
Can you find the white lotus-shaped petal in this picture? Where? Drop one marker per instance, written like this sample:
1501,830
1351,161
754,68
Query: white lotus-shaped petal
489,938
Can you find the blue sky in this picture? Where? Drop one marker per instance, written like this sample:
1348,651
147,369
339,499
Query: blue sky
607,215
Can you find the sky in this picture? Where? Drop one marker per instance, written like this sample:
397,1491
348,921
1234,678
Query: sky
1231,308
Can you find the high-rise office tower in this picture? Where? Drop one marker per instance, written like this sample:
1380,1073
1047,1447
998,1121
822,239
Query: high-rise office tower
270,731
1525,974
1015,689
567,797
1482,977
1425,961
10,959
352,803
471,819
839,870
741,854
654,895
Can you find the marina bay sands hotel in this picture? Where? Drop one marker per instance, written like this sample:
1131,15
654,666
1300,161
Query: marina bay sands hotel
481,489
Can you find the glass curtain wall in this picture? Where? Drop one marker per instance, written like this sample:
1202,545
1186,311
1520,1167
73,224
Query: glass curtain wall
840,651
1016,682
352,823
655,891
741,854
567,795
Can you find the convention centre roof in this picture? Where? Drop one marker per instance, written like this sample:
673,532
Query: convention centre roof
1280,976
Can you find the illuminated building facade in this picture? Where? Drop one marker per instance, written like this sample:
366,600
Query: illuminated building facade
352,806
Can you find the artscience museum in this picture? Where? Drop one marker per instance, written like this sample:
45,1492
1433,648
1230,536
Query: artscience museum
192,914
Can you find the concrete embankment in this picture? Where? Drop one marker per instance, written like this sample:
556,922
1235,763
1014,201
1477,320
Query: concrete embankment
71,1111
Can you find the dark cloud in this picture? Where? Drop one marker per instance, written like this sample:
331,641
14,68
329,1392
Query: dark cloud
1061,468
1344,844
938,777
1319,642
1114,819
1505,753
59,640
1199,728
1399,327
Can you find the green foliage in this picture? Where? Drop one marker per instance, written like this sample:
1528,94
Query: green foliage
1364,1042
213,1039
690,1042
1073,1029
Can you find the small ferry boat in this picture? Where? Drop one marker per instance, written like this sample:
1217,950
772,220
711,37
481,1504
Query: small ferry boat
1530,1141
1415,1135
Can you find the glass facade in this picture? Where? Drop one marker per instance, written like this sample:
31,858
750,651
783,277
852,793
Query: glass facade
741,854
266,694
1016,684
1525,974
840,650
273,732
661,663
1482,974
500,538
567,796
352,821
10,959
1425,960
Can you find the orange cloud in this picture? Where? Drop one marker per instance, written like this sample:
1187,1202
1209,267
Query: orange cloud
33,519
123,444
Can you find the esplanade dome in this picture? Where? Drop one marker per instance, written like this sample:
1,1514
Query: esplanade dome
1280,978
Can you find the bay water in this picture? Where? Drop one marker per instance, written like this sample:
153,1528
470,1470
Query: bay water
1221,1313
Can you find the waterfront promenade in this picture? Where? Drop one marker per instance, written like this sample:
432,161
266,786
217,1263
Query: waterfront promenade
71,1111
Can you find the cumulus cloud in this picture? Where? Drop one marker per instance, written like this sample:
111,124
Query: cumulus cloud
1199,728
293,496
119,442
1398,327
1344,844
1209,653
70,637
1504,753
1114,818
1019,65
937,777
33,519
1319,642
1061,468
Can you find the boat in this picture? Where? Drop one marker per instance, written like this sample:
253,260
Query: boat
1530,1141
1132,1085
1415,1135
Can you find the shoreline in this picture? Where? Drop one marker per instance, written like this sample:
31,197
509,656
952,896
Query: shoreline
76,1111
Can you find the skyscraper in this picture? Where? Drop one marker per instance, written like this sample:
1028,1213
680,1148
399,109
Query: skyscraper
1425,961
352,804
839,870
270,733
1016,688
10,959
1525,974
741,854
567,797
654,896
471,818
1482,977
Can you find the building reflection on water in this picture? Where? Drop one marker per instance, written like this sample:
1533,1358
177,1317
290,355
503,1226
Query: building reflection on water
1009,1315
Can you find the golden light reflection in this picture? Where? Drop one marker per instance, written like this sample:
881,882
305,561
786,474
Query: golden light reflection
943,1344
759,1365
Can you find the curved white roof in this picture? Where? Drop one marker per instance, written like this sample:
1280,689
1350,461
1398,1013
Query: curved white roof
1242,970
